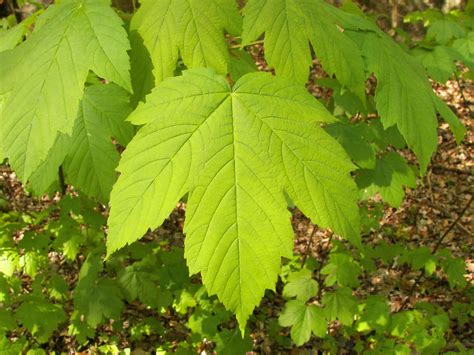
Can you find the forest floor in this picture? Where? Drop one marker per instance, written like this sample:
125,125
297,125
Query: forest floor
438,213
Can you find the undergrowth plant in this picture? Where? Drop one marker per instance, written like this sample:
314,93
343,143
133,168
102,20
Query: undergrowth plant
171,99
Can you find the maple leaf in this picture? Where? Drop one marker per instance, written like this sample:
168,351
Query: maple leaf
192,29
46,80
340,304
303,320
40,316
235,151
290,26
301,285
342,269
92,157
390,176
89,156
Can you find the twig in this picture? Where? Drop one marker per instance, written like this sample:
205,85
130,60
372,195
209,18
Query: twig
62,182
308,246
323,260
440,240
435,249
466,102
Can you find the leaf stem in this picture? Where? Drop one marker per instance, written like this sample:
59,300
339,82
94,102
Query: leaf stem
240,46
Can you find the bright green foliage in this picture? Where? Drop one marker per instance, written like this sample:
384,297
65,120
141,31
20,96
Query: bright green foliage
301,285
96,299
390,176
235,151
303,319
70,39
420,258
341,269
139,284
404,98
290,26
465,47
340,305
443,31
192,29
374,314
40,317
92,157
231,342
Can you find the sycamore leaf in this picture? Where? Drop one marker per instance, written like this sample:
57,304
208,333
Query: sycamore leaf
403,96
235,151
139,284
390,176
303,320
341,269
443,31
40,317
192,29
10,38
375,314
301,285
94,298
46,82
231,342
340,305
454,123
465,47
92,157
290,26
438,62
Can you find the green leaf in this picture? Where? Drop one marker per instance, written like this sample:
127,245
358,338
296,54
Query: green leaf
191,29
96,299
92,157
48,75
139,284
443,31
341,269
241,63
40,317
390,176
455,268
403,95
439,62
290,26
231,342
301,285
235,151
465,47
420,258
355,140
340,305
10,38
454,123
375,314
303,320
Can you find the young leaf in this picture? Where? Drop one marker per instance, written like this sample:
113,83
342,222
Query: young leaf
48,75
92,157
289,26
193,29
40,317
303,320
235,151
340,304
301,285
341,269
390,176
